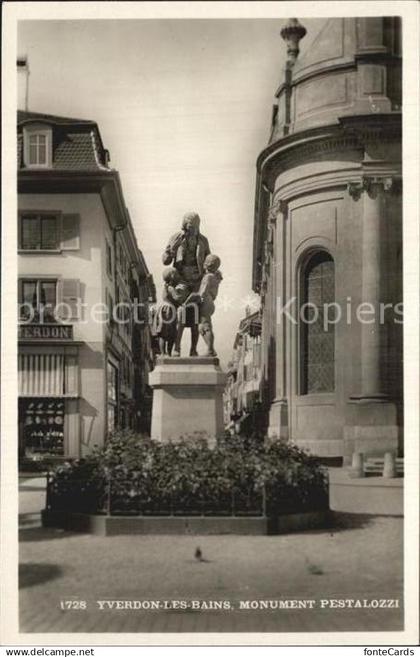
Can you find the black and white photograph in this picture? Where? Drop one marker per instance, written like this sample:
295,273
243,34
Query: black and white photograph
209,333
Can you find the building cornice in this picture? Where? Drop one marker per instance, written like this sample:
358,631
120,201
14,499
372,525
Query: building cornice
350,134
59,181
105,183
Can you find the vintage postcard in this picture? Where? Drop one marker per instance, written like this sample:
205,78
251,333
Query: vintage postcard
210,323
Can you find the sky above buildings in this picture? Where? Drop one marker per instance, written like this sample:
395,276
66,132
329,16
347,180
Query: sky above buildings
184,107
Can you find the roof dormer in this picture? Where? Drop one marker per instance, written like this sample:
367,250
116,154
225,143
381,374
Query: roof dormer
37,146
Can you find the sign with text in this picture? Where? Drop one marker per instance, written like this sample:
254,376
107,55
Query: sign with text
45,332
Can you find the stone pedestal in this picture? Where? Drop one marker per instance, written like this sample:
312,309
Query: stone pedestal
278,427
371,428
187,398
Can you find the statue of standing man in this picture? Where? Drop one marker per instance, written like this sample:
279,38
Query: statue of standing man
187,251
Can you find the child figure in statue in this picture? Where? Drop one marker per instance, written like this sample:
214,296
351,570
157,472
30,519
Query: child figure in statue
208,292
174,294
188,315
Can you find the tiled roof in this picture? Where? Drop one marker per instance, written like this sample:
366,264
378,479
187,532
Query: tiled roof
50,118
76,143
76,151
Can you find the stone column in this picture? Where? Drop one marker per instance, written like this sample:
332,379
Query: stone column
278,423
372,332
371,426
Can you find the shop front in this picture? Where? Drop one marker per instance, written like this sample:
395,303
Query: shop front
48,379
42,426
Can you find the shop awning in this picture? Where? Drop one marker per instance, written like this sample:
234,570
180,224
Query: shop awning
41,375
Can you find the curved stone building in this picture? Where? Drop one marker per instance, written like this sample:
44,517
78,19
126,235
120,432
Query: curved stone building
327,241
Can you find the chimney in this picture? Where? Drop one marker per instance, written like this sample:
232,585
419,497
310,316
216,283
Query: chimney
22,82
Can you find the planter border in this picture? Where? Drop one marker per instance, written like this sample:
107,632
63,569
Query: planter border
103,525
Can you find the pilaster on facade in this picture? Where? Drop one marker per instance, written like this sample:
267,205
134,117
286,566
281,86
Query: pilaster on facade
372,416
279,207
374,185
278,427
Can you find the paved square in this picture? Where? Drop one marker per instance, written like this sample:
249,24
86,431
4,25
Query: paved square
360,560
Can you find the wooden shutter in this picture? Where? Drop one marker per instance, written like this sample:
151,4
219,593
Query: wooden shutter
70,232
70,294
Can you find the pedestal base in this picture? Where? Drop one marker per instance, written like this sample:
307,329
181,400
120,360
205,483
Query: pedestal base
187,398
371,495
371,428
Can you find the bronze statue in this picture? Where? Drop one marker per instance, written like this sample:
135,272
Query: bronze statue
208,292
187,251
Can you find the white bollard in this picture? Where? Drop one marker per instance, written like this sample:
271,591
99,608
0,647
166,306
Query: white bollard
357,465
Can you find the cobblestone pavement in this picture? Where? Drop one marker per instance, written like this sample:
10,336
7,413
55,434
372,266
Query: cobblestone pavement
361,560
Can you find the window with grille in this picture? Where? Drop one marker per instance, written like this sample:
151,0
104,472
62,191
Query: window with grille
39,232
317,340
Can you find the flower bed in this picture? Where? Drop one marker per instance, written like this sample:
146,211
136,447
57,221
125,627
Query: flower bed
137,476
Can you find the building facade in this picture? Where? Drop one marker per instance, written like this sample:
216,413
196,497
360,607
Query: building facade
83,355
243,413
328,240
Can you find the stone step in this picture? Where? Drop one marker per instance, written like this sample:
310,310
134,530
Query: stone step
29,520
376,465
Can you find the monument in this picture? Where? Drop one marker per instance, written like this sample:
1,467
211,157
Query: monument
187,391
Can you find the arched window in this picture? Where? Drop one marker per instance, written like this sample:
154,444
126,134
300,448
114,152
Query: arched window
317,336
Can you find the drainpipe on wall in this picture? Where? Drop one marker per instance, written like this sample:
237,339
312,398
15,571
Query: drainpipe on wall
116,230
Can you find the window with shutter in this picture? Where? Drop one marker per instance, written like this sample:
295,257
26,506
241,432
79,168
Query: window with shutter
30,238
40,296
70,232
49,232
38,231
